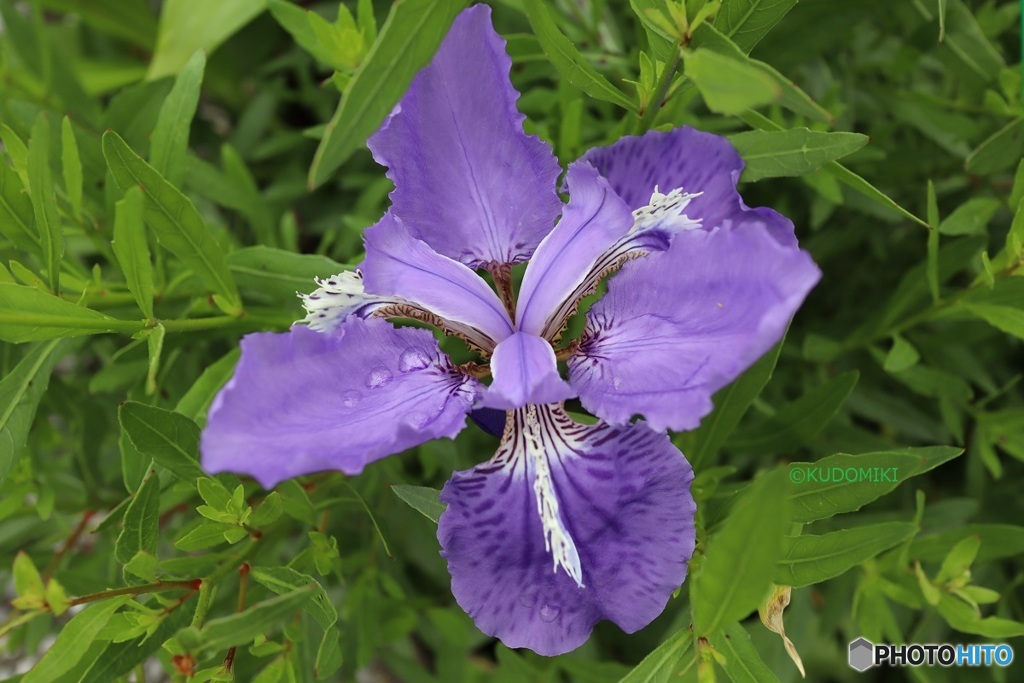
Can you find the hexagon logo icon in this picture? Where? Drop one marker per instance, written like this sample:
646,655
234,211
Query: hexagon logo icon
862,654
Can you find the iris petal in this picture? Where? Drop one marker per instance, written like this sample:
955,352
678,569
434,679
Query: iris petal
468,181
397,264
592,221
525,371
678,325
689,159
623,496
305,401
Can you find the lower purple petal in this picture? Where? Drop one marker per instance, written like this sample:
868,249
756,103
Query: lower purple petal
623,497
304,401
679,325
525,371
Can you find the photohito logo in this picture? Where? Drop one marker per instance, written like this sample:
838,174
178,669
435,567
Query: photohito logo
864,654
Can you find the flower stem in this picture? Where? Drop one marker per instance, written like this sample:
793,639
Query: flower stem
650,113
157,587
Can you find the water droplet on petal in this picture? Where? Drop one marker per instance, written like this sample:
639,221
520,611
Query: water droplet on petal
378,377
550,612
617,382
350,399
527,600
413,359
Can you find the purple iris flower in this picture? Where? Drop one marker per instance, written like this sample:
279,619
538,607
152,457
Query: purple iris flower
568,523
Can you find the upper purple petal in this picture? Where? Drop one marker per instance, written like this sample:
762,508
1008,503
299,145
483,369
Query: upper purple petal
622,502
398,264
690,159
678,325
304,401
592,221
468,181
525,371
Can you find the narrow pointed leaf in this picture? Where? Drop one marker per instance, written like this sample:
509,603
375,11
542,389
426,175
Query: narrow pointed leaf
793,152
811,559
44,201
29,314
407,41
71,163
169,142
131,248
173,217
725,590
885,470
567,59
423,499
20,392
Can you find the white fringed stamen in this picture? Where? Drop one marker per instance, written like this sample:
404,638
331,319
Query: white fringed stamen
336,298
666,211
557,540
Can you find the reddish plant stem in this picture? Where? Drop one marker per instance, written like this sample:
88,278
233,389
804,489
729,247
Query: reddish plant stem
69,543
191,585
243,584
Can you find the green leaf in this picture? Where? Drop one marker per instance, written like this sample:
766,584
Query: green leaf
169,142
169,438
747,21
968,43
28,584
118,659
260,619
790,95
814,500
661,663
187,26
279,273
840,172
206,534
20,392
564,56
724,590
282,580
44,201
971,217
407,41
797,422
143,565
16,213
997,541
423,499
1002,306
792,152
999,151
71,163
268,511
742,663
728,85
155,347
198,398
731,404
959,559
73,641
901,356
173,217
963,618
139,528
811,559
28,314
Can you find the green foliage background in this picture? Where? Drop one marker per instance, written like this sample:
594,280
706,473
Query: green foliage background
890,131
